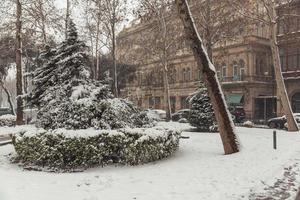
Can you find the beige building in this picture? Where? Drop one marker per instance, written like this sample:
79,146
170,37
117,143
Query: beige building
244,67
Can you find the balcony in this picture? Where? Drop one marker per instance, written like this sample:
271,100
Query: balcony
291,75
235,79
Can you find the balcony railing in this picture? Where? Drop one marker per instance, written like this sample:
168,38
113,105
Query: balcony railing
246,79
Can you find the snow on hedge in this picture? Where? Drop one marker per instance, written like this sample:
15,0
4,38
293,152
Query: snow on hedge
72,149
7,120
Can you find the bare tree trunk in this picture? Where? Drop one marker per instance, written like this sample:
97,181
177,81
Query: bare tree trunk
167,93
114,59
19,64
225,123
97,68
93,68
8,97
292,125
165,64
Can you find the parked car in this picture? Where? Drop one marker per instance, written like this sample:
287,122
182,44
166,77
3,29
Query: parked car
5,111
181,114
239,114
279,122
156,114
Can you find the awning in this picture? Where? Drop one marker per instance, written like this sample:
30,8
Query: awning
235,99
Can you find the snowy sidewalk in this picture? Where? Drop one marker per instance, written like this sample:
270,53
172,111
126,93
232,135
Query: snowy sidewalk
199,170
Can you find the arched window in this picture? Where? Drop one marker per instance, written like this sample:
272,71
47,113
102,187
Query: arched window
235,71
224,71
184,75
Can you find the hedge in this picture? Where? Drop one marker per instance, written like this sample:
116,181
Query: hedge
80,149
7,120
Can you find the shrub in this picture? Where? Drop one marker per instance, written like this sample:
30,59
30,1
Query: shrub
202,114
63,149
248,124
7,120
89,106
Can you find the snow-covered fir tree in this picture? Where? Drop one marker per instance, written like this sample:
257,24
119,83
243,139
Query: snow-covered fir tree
202,114
44,76
71,99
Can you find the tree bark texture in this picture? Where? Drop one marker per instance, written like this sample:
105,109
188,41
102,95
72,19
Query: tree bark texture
225,123
19,81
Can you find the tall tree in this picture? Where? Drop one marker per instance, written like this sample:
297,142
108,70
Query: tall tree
97,37
114,15
69,5
225,123
163,39
42,18
265,12
19,76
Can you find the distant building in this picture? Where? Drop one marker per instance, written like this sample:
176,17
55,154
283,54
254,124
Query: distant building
244,67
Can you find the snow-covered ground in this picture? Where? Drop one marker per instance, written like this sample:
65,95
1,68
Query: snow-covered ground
199,170
9,130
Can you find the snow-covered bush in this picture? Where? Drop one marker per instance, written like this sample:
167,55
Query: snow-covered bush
202,114
88,105
183,120
214,128
77,149
248,124
7,120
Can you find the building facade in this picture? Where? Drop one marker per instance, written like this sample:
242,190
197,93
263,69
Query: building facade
244,67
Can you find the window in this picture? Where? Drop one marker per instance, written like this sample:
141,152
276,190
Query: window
224,71
188,74
199,75
157,103
259,66
242,69
151,102
219,74
242,76
183,75
184,104
283,60
292,62
235,70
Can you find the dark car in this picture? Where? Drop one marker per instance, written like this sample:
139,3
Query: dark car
279,122
238,113
181,114
5,111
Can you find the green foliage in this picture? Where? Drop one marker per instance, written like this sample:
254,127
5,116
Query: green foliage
63,150
202,114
